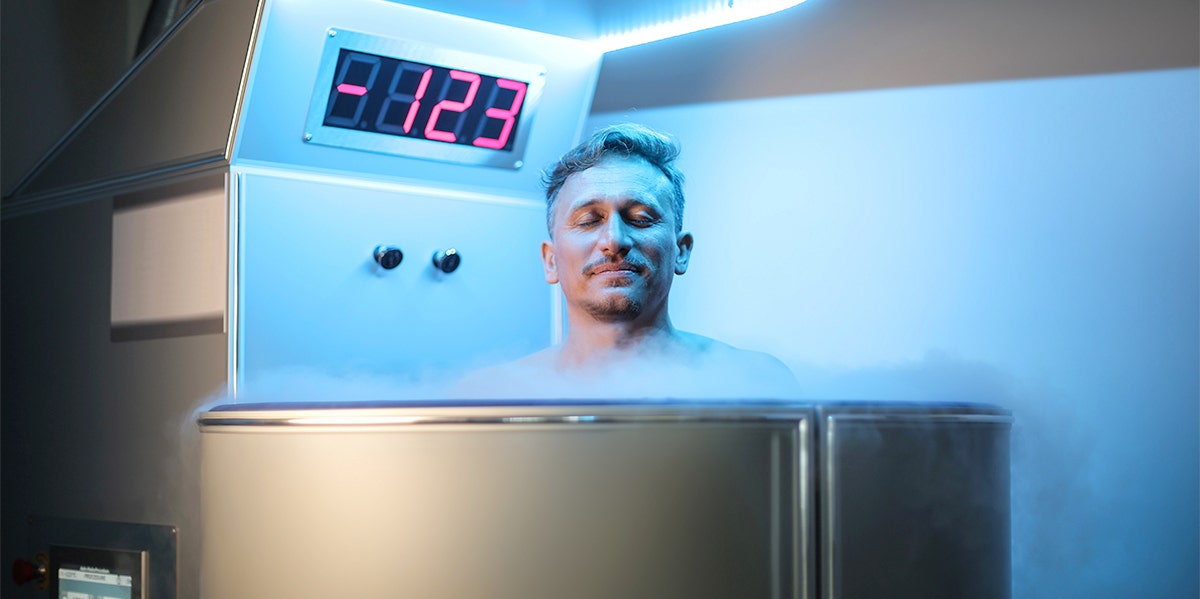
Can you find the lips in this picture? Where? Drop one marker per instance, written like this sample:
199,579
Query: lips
616,268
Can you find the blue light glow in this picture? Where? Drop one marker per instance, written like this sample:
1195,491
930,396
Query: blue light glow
706,15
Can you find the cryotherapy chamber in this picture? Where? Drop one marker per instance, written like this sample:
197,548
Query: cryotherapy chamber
371,171
337,497
606,499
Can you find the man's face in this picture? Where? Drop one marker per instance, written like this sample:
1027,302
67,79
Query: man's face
614,246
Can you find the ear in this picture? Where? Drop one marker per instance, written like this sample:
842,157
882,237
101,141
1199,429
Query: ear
684,242
548,265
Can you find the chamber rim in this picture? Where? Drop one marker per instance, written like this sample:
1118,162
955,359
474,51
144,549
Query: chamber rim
307,414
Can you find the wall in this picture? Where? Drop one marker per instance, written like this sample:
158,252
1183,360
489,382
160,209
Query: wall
1028,243
93,429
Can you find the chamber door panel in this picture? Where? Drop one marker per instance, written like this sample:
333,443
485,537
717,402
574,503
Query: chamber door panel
313,299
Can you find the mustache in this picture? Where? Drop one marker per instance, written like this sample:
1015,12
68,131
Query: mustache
600,266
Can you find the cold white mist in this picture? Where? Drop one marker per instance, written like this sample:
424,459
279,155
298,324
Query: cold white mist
1032,244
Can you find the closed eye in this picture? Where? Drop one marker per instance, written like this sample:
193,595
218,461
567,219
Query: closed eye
587,219
642,218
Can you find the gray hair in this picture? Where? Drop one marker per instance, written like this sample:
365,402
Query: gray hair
625,140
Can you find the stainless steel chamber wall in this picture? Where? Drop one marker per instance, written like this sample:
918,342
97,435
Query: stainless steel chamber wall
606,500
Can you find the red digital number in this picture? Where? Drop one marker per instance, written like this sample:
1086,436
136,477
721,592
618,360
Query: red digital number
413,99
431,130
508,115
345,88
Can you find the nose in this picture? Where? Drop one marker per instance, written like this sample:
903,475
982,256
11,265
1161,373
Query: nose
615,238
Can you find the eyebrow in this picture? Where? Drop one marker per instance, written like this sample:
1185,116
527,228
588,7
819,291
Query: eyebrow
651,203
573,208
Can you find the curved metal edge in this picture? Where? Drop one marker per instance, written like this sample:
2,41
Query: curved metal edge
238,106
536,412
927,418
368,418
804,511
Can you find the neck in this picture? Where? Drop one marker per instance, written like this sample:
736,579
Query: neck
590,341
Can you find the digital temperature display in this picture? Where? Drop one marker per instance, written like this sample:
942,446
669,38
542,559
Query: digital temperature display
413,99
416,100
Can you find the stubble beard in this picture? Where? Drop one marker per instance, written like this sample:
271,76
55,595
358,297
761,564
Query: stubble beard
614,309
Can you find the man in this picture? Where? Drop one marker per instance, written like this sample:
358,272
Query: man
615,215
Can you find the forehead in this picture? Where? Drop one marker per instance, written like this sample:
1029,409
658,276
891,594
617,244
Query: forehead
615,179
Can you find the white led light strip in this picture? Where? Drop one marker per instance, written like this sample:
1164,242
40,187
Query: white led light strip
713,13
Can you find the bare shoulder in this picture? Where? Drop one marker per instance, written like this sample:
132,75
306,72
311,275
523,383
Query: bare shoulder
720,357
712,348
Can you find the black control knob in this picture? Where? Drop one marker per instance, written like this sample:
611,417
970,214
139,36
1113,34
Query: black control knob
388,257
447,261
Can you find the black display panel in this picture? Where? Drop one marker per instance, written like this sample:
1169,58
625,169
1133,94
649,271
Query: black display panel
419,100
422,101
